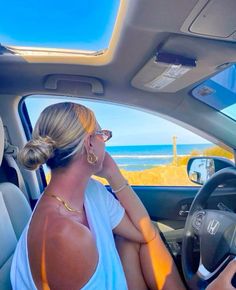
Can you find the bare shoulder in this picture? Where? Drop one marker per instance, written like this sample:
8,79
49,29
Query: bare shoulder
71,254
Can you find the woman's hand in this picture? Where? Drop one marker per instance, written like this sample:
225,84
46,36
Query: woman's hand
223,281
109,168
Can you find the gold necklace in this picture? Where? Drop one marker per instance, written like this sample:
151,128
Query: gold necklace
69,208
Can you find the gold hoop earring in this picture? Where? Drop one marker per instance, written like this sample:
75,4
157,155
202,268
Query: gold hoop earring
92,158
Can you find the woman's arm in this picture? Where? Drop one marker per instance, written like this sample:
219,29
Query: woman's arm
156,261
223,281
136,222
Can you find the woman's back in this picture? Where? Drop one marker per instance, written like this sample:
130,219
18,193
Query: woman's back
65,253
48,259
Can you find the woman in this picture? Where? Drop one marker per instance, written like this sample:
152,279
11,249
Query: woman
224,280
68,243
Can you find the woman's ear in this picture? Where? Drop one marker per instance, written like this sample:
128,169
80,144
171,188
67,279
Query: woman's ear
88,143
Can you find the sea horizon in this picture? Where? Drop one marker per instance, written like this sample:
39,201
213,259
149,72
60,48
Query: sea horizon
169,144
140,157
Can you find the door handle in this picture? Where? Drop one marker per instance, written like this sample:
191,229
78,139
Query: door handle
183,213
184,210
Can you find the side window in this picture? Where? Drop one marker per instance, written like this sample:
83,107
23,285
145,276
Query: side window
148,149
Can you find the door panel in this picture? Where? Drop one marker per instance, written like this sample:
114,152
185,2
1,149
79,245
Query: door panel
165,203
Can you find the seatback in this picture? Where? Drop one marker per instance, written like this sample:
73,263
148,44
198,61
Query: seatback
14,214
9,169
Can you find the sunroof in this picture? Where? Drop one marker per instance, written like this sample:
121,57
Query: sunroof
219,92
71,24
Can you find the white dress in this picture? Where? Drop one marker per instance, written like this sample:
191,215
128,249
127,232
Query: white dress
104,213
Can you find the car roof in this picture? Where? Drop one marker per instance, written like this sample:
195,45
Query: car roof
120,74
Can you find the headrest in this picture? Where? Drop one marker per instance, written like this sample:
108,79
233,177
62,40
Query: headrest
1,141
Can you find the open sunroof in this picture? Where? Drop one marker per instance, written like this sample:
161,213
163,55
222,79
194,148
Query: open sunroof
71,24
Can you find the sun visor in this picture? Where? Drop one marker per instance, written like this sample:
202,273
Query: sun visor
164,72
214,18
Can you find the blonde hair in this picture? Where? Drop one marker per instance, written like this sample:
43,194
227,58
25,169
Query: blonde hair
58,135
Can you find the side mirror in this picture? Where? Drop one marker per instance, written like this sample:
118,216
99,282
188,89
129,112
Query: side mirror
200,169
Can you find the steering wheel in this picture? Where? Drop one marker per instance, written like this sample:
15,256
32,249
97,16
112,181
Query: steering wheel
215,230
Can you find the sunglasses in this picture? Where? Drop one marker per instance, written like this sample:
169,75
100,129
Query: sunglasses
105,134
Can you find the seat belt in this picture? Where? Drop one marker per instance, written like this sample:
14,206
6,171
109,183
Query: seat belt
10,156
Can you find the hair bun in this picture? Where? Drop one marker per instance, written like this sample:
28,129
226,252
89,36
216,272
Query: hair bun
37,152
38,141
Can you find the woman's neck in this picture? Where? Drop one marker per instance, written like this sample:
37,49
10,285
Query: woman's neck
70,184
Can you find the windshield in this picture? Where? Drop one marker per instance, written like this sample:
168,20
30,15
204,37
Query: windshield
219,92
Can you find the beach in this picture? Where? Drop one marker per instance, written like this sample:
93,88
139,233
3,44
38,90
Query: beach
163,175
157,165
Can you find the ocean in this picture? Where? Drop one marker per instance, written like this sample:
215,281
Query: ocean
137,158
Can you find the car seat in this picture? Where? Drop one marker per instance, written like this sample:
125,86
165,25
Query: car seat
15,211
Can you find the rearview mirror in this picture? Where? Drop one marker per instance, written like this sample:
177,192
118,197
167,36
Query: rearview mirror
200,169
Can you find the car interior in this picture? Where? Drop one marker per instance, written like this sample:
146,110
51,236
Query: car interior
160,59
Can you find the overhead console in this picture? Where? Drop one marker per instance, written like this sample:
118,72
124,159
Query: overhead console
205,46
212,18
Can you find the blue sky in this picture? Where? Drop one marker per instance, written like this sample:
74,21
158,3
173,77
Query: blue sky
80,24
129,126
83,24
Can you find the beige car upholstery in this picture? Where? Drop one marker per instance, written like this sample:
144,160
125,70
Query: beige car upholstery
14,214
1,140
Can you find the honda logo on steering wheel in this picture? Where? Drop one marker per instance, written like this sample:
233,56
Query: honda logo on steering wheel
213,227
